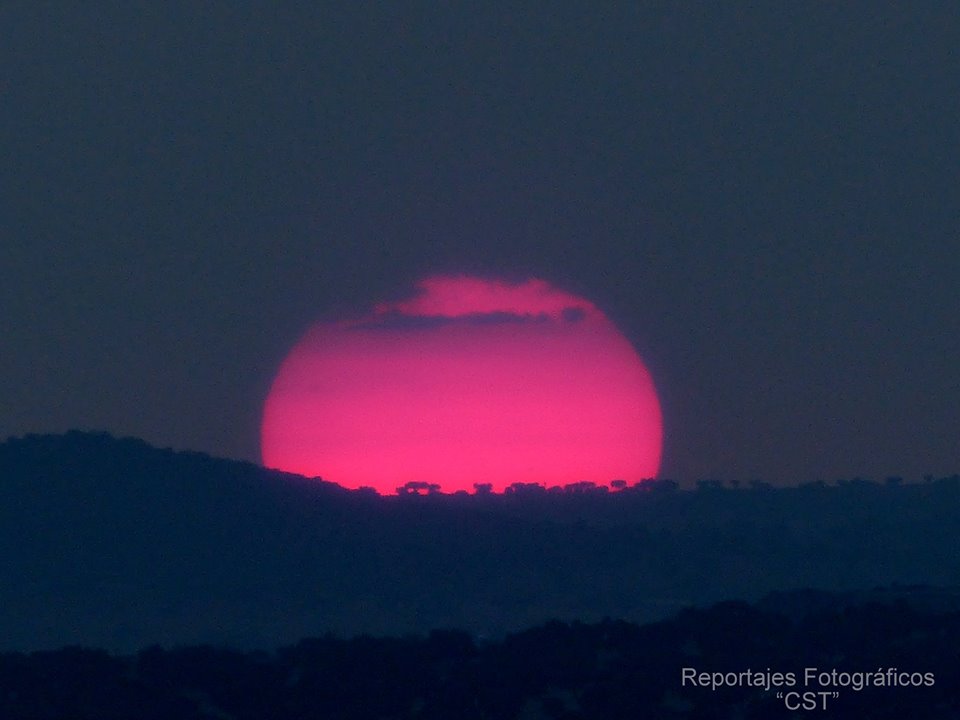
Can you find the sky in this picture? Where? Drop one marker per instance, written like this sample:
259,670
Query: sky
765,200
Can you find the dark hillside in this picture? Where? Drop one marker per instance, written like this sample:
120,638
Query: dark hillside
868,660
116,544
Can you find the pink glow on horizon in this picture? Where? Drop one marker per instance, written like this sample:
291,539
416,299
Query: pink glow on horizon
501,383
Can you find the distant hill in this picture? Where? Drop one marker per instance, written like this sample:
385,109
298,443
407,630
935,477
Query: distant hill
115,544
732,661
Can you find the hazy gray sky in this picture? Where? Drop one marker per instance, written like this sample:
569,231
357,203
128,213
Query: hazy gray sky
766,200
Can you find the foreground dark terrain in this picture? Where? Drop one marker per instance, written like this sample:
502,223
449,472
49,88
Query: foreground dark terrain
606,671
115,544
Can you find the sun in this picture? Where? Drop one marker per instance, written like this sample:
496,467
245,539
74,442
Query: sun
470,381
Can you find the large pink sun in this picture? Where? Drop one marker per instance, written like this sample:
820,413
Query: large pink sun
471,381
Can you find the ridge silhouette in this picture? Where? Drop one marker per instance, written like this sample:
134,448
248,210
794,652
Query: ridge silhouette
116,544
